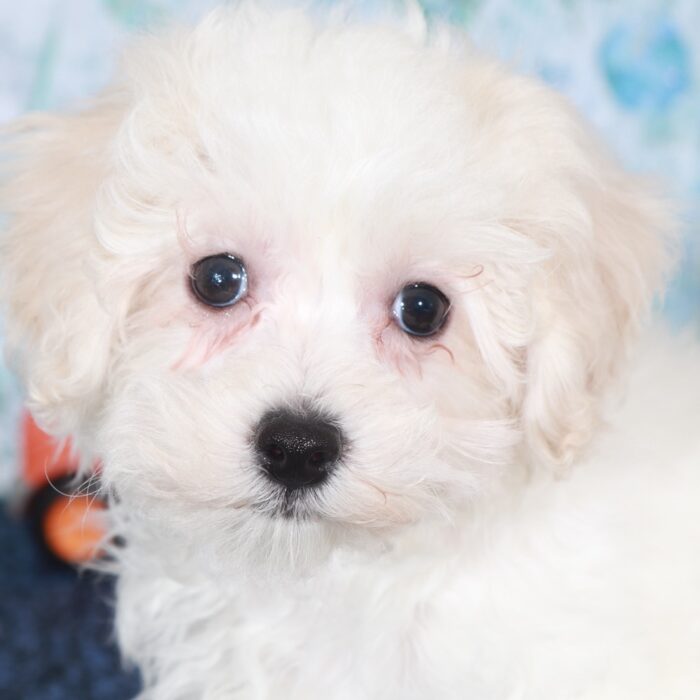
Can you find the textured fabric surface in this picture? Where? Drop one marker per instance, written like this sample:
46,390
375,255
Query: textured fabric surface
55,628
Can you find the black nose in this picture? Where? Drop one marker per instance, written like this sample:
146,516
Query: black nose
297,450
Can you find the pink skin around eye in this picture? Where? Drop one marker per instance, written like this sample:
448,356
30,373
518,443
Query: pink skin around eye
440,347
396,348
214,330
212,337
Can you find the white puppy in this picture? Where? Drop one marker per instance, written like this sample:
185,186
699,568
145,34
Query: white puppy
340,309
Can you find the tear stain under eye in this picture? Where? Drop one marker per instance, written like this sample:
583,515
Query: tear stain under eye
391,350
207,342
404,357
436,347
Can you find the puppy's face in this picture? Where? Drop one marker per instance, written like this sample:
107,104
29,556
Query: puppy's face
338,280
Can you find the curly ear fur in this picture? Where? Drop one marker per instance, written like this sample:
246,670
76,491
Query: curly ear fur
57,333
556,324
608,243
607,263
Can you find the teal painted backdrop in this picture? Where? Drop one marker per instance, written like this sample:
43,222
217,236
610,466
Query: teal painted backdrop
631,66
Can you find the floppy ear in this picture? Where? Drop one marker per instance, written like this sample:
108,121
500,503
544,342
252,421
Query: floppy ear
57,333
607,238
553,323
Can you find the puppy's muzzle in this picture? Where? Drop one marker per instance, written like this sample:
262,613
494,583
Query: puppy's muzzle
297,450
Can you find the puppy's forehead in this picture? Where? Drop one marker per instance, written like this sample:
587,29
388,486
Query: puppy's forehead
329,136
359,135
336,127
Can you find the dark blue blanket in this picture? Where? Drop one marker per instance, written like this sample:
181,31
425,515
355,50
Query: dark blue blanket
56,639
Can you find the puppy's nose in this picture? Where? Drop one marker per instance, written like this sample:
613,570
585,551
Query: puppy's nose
297,450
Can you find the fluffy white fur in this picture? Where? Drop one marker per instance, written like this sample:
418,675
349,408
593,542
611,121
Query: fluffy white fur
508,523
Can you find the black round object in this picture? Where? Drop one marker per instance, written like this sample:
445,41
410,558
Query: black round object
295,450
219,280
421,309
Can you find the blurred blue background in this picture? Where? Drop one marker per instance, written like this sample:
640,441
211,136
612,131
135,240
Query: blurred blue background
631,66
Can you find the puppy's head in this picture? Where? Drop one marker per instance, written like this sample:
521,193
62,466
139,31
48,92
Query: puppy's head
285,278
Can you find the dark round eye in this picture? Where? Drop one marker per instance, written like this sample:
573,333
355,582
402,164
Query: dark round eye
420,309
219,280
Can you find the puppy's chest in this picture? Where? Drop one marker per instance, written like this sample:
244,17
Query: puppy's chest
357,632
417,630
353,631
531,611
